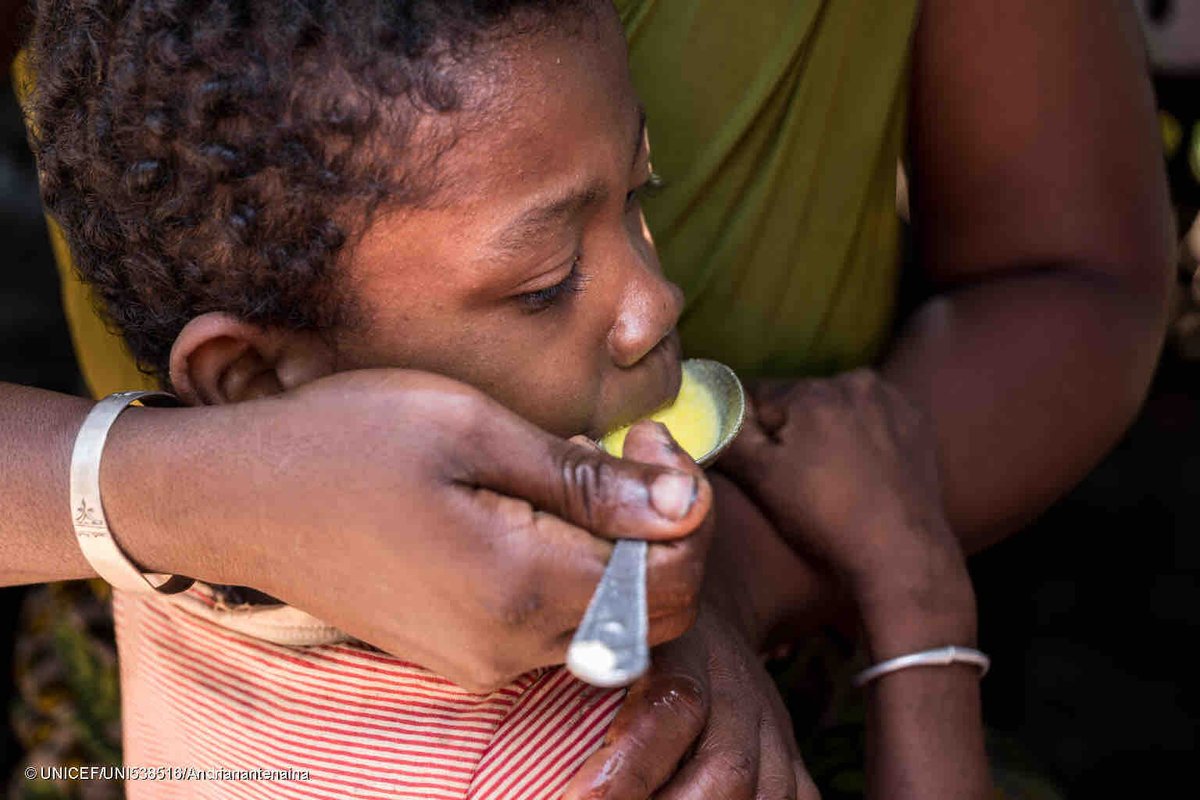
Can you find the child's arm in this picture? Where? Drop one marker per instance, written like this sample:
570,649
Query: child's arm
924,724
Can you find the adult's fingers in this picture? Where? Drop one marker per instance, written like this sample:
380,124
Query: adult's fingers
748,457
554,566
806,789
779,763
674,569
727,761
662,717
607,496
770,397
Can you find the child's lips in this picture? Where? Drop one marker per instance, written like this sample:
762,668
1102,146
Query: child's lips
645,388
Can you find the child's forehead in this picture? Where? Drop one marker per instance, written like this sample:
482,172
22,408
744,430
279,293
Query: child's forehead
558,127
560,109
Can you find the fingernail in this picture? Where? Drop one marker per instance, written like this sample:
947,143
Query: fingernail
672,494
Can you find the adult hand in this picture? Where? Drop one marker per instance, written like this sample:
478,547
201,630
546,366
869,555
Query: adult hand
847,471
706,722
414,513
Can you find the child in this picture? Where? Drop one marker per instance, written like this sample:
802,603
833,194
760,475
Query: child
265,194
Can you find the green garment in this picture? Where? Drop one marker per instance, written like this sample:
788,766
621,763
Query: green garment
777,125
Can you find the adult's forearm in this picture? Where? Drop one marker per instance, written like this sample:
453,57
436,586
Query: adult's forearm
1028,380
37,430
925,735
924,724
37,543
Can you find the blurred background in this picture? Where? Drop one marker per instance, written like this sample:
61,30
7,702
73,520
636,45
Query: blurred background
1090,614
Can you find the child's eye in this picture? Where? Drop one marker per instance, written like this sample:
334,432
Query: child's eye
542,299
650,188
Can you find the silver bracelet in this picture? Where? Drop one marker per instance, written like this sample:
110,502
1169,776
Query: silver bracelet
938,657
87,511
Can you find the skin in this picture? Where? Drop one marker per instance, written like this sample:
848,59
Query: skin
854,481
544,196
869,508
1030,357
469,287
1043,229
460,287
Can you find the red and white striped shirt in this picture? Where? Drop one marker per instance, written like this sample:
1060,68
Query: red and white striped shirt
198,696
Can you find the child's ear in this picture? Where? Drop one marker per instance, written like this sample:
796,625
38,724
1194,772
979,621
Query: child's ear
218,359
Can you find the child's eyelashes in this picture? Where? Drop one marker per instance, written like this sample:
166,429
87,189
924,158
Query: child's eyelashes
542,299
653,185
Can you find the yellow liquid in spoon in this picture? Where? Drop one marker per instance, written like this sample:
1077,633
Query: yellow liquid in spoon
692,419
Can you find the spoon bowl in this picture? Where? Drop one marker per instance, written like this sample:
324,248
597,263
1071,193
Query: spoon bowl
729,397
610,647
729,400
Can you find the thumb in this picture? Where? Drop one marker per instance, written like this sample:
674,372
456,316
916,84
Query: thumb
610,497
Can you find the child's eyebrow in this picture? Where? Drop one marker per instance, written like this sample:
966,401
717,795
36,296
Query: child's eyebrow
545,215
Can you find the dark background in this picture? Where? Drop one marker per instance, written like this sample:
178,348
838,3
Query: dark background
1090,615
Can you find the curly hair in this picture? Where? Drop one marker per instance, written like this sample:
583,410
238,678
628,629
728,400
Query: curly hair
218,155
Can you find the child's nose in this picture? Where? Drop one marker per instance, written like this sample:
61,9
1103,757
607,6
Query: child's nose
650,307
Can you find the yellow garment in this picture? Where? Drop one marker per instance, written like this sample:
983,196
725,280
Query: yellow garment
776,125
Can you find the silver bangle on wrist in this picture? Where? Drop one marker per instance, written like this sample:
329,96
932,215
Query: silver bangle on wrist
938,657
87,511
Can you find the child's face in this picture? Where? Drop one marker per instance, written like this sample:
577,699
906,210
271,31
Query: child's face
532,276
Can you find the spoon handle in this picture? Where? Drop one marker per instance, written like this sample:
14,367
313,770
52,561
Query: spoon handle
609,648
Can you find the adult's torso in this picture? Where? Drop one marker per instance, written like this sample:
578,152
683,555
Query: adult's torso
776,125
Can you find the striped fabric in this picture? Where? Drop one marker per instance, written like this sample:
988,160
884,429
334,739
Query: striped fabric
196,696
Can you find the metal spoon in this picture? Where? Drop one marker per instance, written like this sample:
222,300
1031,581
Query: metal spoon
610,647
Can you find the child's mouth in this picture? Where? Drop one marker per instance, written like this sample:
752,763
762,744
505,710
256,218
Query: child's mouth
654,384
692,417
666,366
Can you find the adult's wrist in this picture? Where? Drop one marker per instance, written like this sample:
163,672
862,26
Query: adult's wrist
900,634
917,608
156,481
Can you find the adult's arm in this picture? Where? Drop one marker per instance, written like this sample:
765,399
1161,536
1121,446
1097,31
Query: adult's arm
1041,218
404,508
854,482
